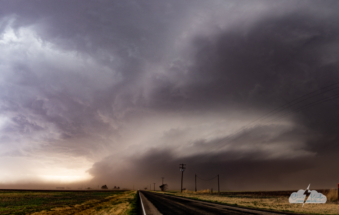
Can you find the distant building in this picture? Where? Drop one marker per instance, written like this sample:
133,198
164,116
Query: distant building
164,187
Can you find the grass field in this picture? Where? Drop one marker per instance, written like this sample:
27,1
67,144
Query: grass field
268,201
29,202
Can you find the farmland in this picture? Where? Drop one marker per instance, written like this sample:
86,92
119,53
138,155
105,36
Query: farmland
39,202
272,201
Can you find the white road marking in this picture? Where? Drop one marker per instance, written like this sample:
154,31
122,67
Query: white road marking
142,205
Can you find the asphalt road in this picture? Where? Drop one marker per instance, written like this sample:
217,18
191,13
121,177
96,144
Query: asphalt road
169,205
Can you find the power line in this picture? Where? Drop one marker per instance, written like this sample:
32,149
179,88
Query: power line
196,176
208,179
309,105
294,102
320,102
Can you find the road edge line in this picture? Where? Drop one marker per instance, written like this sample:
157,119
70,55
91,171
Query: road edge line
142,205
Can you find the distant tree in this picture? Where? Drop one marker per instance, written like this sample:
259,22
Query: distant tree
104,187
118,188
88,188
115,187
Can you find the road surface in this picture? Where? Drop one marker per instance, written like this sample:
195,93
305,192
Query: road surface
169,205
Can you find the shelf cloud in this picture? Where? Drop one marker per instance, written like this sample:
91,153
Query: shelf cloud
121,92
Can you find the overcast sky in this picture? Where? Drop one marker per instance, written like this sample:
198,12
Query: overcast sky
122,92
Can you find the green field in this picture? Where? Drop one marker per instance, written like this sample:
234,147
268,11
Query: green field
27,202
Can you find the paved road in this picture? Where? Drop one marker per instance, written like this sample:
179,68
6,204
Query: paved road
147,207
169,205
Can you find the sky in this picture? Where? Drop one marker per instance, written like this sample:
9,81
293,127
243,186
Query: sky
122,92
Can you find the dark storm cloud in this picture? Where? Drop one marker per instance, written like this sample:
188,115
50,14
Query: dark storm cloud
268,65
74,70
240,174
133,86
133,30
273,62
120,35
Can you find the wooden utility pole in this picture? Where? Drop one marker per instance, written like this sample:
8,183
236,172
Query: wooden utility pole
218,185
154,186
182,168
195,182
162,180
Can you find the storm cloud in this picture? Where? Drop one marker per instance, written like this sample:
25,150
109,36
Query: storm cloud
121,92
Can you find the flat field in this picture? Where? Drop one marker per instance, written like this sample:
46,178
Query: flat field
273,201
93,202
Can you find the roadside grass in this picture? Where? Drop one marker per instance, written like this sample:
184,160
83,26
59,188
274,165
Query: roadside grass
27,202
115,205
133,209
332,195
269,202
123,205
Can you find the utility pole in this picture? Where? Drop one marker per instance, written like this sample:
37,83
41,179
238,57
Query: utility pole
182,168
162,180
150,187
195,182
218,185
154,186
